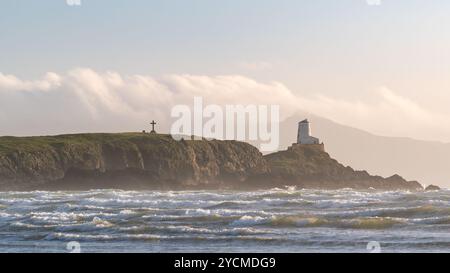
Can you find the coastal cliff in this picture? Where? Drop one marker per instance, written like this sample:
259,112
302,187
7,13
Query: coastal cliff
153,161
309,166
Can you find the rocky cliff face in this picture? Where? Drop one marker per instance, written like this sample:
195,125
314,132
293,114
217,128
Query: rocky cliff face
130,161
150,161
309,166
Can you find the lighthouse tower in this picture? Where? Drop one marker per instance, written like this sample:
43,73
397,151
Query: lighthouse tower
304,134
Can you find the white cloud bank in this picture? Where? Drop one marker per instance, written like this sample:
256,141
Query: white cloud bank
84,100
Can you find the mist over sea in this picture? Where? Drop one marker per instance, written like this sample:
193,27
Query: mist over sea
277,220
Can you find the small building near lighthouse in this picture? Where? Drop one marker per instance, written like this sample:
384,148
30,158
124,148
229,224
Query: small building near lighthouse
304,134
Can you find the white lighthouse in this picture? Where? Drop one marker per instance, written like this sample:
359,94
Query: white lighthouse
304,134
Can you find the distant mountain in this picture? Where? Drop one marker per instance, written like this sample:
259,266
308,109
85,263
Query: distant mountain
425,161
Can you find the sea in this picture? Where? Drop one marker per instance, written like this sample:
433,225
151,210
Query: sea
278,220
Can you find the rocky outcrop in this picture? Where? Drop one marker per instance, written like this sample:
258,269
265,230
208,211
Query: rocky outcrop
309,166
432,188
151,161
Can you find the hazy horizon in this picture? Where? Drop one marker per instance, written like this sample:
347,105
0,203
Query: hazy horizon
380,68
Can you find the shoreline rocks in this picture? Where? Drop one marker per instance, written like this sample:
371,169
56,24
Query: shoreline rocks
432,188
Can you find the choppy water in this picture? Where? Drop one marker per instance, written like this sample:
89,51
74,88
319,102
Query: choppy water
278,220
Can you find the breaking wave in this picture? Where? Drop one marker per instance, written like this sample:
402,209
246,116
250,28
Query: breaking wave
276,220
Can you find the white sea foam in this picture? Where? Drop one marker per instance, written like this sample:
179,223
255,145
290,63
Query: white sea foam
97,221
250,221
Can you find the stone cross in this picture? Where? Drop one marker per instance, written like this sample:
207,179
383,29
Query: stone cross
153,123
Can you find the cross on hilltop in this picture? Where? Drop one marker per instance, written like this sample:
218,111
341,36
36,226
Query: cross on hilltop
153,123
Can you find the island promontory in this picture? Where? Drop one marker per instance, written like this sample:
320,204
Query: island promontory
157,161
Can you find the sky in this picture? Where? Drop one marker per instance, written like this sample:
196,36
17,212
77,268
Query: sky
113,65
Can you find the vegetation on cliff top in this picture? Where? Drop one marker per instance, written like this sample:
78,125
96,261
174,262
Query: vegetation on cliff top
10,144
